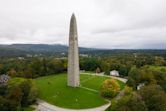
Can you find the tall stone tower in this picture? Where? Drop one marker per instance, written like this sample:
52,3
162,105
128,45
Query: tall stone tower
73,55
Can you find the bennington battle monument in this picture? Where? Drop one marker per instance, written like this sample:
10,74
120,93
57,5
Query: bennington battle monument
73,55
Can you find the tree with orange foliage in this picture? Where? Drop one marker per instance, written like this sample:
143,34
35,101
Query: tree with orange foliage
110,88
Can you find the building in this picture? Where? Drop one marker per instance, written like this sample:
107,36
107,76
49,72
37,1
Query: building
4,79
84,55
114,73
140,86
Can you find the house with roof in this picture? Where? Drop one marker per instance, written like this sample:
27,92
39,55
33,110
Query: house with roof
114,73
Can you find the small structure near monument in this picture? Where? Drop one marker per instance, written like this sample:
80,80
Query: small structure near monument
73,56
98,70
4,79
114,73
140,86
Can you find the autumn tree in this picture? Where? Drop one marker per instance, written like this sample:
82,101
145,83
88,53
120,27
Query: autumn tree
110,88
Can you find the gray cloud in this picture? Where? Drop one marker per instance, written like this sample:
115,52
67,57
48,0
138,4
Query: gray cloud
102,24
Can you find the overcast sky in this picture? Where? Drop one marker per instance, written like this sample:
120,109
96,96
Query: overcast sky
101,23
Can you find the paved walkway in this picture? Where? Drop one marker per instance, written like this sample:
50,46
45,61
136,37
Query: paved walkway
87,79
89,89
120,95
44,106
120,79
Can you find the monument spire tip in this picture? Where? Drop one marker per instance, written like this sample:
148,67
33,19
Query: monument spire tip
73,15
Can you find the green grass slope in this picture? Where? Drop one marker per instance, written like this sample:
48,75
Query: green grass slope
54,90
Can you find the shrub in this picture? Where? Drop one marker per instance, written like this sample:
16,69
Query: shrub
22,91
110,88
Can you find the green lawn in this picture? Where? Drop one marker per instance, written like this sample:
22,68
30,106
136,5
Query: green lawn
54,90
95,82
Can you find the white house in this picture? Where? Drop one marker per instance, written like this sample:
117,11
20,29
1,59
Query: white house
140,86
114,73
84,55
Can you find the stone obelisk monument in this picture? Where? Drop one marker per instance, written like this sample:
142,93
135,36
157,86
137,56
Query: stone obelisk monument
73,55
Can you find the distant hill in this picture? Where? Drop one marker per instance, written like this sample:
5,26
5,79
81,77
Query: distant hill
57,50
36,47
23,49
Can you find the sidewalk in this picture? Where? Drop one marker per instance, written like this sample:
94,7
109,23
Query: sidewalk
44,106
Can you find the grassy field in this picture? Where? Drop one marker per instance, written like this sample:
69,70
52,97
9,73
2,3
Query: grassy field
54,90
157,68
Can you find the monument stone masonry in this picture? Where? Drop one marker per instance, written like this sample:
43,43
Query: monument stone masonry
73,55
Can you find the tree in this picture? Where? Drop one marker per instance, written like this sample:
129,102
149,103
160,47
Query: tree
90,64
110,88
123,71
21,91
36,68
147,76
12,72
136,103
159,61
3,89
32,94
132,83
134,77
1,69
8,105
154,97
132,102
128,90
55,66
15,94
26,88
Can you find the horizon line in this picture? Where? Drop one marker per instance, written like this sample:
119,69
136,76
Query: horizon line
85,46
